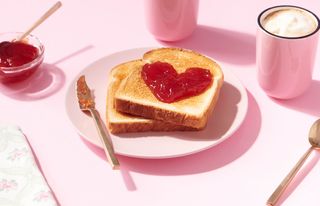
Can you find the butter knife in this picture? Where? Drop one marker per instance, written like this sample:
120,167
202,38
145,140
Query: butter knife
87,104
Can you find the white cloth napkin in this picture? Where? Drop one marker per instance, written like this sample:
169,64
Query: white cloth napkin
21,182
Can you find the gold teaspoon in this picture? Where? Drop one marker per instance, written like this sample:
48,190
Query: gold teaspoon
54,8
314,139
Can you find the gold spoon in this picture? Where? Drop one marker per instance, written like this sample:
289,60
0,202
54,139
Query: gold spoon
314,139
54,8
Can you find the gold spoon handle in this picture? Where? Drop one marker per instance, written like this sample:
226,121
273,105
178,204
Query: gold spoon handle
105,140
285,182
54,8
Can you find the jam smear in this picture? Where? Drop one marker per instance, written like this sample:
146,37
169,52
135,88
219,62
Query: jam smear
169,86
13,54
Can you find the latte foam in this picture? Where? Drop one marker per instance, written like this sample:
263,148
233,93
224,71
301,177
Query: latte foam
290,22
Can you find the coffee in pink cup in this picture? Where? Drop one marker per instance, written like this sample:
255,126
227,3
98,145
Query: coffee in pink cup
171,20
286,43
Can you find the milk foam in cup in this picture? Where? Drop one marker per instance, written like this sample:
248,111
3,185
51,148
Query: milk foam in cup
290,22
286,42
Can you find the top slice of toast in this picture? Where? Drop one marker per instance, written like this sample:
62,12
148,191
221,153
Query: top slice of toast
122,123
135,97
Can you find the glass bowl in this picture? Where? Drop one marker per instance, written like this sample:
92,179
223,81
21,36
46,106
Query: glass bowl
18,73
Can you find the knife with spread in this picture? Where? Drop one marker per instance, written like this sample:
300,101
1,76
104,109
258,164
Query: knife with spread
87,104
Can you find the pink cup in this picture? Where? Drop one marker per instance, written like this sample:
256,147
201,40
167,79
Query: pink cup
285,64
171,20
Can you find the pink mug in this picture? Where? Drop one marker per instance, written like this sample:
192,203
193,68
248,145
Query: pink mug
285,64
171,20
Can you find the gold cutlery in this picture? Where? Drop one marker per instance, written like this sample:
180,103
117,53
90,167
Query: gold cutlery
87,104
314,139
53,9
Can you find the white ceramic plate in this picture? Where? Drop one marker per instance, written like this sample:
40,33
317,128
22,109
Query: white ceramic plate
228,115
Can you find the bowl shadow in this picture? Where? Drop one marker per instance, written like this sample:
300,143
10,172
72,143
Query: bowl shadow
221,44
308,103
216,157
46,81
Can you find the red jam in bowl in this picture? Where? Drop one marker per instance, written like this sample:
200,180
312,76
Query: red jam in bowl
17,60
13,54
169,86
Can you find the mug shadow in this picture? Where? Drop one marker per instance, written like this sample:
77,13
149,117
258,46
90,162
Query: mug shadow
308,103
207,160
46,81
221,44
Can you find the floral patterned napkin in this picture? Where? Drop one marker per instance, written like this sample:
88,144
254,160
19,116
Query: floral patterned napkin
21,182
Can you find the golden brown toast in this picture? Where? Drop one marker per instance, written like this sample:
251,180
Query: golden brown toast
120,123
135,97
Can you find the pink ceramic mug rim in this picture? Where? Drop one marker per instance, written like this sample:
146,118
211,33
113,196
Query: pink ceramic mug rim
292,6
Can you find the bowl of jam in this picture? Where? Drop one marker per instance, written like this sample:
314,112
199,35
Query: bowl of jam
19,59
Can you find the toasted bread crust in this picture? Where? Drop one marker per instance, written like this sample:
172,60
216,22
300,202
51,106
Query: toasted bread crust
122,123
151,112
153,125
127,101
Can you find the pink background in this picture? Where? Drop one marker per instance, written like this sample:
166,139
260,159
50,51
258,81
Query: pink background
243,170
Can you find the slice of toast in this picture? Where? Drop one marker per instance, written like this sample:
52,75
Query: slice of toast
121,123
135,97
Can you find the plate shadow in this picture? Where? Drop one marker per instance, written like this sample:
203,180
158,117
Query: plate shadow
218,156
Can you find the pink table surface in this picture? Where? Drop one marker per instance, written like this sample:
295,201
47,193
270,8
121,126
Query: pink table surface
243,170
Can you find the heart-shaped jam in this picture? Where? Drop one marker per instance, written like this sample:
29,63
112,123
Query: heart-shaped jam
169,86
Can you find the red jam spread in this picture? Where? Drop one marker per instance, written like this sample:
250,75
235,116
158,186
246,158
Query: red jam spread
169,86
13,54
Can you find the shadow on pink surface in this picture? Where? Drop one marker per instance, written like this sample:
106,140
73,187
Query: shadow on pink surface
125,172
70,56
220,44
304,171
211,159
309,102
45,82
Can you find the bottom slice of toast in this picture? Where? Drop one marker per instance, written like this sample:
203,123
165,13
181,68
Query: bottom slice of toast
118,122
